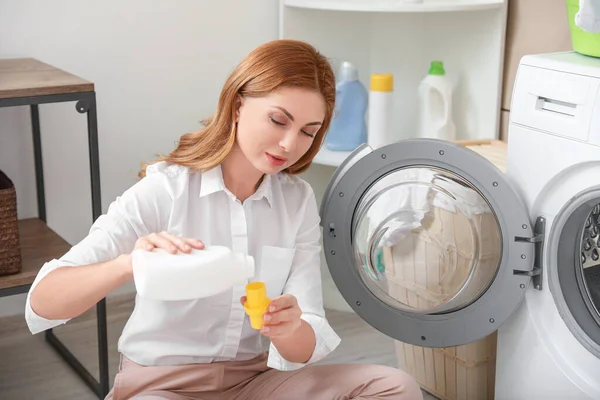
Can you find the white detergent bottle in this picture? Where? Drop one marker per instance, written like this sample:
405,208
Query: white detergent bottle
160,275
381,111
435,105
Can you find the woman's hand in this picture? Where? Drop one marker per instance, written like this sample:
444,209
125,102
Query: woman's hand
168,242
162,240
283,317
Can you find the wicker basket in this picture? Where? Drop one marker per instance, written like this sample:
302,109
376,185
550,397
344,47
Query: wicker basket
10,248
453,373
456,373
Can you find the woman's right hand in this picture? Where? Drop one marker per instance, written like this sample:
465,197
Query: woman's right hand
168,242
84,286
163,240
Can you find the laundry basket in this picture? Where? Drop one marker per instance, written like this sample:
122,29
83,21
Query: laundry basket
457,373
10,249
583,42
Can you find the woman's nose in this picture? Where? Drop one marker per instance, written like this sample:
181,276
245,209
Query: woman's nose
288,142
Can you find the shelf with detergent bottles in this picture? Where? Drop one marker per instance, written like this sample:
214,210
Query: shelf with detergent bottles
434,118
348,129
330,158
396,5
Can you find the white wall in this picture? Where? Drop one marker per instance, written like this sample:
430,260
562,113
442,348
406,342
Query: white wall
158,68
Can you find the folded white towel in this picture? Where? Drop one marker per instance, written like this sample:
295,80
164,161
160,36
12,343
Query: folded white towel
588,16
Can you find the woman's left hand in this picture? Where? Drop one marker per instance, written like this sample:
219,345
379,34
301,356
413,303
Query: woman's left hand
283,317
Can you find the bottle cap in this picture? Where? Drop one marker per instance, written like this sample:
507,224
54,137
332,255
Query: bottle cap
347,72
437,68
382,83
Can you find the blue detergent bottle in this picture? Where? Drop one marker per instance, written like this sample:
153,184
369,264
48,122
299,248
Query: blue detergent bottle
348,128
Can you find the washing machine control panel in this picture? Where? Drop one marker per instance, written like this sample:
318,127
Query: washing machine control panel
556,102
559,94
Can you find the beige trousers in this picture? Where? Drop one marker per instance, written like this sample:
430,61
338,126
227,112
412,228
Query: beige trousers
253,380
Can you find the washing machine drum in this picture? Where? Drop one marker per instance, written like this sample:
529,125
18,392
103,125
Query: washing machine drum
427,242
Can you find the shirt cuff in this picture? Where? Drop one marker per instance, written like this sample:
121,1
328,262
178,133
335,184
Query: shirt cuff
326,341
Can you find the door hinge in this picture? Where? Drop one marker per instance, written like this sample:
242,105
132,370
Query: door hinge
537,273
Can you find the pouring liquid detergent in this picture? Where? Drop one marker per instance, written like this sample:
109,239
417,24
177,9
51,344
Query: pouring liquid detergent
160,275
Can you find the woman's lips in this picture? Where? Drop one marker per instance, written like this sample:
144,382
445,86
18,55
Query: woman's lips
276,160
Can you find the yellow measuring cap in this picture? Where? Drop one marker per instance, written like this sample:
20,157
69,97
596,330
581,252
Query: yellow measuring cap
257,303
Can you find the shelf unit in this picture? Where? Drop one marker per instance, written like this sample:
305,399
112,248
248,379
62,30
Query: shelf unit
396,5
29,82
402,37
330,158
38,245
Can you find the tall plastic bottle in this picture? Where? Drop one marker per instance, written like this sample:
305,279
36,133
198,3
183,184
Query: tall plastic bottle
160,275
348,129
381,109
435,105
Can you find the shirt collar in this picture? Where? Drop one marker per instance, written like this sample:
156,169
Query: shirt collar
212,182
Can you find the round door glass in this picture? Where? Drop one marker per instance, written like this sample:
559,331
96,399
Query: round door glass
425,240
590,258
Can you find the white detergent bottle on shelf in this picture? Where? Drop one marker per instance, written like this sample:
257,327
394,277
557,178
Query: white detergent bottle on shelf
160,275
381,111
435,105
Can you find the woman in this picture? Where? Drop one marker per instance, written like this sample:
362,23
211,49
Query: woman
232,184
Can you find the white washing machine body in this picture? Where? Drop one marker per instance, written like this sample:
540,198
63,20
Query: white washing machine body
434,246
550,348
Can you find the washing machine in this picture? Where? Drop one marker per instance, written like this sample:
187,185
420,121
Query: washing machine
434,246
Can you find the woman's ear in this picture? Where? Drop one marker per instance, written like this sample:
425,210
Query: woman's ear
239,102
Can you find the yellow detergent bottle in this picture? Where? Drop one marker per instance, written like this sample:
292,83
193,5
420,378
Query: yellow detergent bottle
257,303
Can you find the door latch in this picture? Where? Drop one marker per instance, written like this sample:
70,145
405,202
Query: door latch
332,229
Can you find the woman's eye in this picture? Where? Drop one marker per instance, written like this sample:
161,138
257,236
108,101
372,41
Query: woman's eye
308,134
276,122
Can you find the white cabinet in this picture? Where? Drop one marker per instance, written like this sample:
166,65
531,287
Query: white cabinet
402,37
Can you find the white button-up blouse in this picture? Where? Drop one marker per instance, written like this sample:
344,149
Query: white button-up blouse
278,225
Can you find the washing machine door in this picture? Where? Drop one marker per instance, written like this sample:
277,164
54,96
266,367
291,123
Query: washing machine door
427,241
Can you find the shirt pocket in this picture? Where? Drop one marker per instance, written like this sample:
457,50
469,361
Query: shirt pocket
275,266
